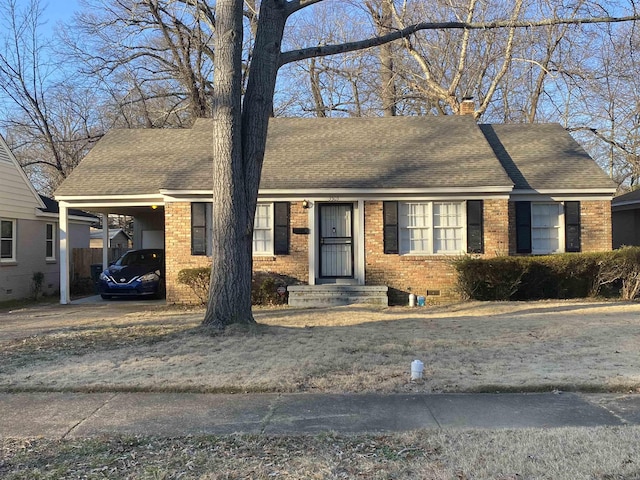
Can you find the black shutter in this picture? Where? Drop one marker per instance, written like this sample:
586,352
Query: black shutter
475,234
572,226
390,214
281,228
523,227
198,229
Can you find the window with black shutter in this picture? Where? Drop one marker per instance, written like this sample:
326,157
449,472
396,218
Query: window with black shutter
572,226
390,214
281,228
523,227
475,233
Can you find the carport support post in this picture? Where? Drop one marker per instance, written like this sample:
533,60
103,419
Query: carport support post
105,241
63,223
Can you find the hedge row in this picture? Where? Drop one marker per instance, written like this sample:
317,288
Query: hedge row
571,275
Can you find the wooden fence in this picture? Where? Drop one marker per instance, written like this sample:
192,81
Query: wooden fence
83,258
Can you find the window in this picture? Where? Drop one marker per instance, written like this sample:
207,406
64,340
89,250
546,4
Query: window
547,227
201,219
431,227
263,230
270,231
50,241
7,240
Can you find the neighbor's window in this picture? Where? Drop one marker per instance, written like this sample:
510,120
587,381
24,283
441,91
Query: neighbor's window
431,227
546,228
7,240
263,229
50,241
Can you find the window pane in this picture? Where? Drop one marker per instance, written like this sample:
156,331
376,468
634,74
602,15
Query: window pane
447,223
6,229
545,228
6,249
262,229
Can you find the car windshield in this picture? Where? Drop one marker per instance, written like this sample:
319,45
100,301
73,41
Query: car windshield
139,258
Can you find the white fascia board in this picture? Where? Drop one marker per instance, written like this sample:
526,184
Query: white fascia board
555,196
568,191
351,194
75,218
100,201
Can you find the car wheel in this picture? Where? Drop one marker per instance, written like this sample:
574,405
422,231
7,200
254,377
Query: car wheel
106,297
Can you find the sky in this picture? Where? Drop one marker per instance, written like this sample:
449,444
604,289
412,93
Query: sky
58,11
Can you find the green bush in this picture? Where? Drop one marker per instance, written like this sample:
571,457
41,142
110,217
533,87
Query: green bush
570,275
264,285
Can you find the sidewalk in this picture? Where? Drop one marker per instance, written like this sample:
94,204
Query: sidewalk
75,415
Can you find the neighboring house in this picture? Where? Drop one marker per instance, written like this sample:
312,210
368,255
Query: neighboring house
361,201
625,219
118,238
29,233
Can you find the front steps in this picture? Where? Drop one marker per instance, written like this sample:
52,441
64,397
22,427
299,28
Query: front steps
336,294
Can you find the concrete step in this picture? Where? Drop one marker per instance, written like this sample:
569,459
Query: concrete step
334,295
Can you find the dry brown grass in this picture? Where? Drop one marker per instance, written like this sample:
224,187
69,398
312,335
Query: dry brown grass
465,347
510,346
558,454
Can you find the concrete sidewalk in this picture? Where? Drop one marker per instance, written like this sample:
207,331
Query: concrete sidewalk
76,415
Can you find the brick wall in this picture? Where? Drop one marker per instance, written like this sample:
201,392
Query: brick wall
405,274
401,273
595,223
296,264
178,252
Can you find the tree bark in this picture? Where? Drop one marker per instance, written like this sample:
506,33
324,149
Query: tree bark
230,289
239,139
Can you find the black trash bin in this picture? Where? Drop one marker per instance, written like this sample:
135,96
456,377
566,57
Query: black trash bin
96,270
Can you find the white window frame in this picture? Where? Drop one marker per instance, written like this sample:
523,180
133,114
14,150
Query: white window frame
430,228
559,228
268,230
52,241
12,239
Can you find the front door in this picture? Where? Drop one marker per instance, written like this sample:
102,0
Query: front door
336,240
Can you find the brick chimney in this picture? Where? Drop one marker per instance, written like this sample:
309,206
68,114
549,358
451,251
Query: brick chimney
467,106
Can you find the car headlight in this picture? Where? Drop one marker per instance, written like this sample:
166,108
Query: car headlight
149,277
103,276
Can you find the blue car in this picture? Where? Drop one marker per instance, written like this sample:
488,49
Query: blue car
136,273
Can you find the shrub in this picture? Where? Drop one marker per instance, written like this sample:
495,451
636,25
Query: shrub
264,285
198,280
570,275
37,280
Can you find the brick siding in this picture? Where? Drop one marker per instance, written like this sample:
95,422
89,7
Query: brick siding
403,274
421,274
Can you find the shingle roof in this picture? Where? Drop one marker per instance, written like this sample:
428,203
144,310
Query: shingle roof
51,206
629,197
544,157
341,153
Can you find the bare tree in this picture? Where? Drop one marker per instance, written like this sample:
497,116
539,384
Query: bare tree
240,131
50,122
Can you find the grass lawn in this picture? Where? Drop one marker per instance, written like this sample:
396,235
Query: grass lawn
583,346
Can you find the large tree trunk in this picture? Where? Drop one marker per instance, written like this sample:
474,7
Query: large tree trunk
239,138
230,289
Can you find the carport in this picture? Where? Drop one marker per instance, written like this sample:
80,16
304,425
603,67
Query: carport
148,215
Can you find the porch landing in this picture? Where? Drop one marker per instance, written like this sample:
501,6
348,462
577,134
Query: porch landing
336,294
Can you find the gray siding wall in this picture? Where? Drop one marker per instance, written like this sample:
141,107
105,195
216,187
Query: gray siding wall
15,278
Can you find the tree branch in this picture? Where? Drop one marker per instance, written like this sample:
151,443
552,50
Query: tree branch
325,50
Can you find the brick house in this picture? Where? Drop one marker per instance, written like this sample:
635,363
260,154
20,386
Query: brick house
359,201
